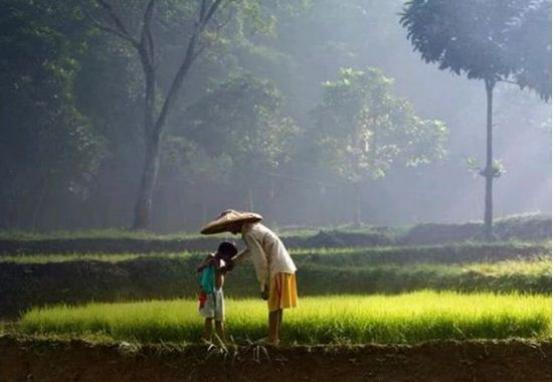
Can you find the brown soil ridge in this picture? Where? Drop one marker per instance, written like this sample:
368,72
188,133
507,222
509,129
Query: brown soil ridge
452,361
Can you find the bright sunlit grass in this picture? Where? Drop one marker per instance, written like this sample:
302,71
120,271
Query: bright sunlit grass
406,318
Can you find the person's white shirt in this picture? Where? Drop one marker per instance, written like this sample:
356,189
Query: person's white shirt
267,251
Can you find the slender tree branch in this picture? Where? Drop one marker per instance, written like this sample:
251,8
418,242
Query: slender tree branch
201,48
116,20
190,55
203,9
177,81
146,38
106,28
211,11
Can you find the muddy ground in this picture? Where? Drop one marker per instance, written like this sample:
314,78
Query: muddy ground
46,360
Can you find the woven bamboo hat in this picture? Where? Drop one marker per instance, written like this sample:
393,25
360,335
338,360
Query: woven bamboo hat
227,219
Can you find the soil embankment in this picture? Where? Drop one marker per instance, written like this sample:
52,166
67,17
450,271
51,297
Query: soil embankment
41,360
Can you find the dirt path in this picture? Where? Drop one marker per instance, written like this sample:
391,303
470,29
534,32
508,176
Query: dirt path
44,361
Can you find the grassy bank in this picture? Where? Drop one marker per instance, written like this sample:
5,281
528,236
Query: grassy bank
534,276
23,285
341,256
529,228
408,318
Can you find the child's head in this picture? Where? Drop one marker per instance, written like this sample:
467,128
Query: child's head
226,250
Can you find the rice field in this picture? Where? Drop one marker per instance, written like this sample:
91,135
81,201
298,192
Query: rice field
340,319
467,252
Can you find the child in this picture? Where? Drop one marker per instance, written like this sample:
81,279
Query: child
212,272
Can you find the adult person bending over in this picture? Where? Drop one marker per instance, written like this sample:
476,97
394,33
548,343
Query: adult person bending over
274,267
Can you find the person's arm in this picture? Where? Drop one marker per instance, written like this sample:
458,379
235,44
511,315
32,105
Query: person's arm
204,263
241,256
260,261
219,274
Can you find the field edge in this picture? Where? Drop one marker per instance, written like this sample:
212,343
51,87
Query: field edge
482,360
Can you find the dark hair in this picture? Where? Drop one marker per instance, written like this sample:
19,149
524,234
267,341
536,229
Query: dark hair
227,248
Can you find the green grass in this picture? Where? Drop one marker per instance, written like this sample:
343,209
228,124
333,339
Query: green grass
343,256
408,318
64,258
528,267
532,276
26,285
443,253
504,223
540,265
109,233
502,268
116,233
121,233
102,257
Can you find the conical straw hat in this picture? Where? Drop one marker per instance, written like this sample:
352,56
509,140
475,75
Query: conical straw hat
227,219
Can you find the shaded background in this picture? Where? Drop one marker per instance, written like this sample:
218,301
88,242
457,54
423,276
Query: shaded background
49,185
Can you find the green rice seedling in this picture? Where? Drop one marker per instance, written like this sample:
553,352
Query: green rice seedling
407,318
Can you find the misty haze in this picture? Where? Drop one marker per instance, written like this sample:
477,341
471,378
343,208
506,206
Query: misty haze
50,186
275,190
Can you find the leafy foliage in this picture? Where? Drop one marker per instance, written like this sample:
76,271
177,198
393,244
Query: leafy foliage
406,318
48,147
363,128
493,40
242,119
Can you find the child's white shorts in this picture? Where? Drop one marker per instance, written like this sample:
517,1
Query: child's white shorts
214,307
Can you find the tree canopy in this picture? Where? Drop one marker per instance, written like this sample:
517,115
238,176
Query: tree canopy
73,98
242,119
363,127
491,40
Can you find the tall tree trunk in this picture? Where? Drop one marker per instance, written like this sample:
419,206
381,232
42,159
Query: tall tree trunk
153,125
151,142
489,170
148,179
153,128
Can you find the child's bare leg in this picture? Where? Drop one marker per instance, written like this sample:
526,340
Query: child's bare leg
274,323
207,335
220,330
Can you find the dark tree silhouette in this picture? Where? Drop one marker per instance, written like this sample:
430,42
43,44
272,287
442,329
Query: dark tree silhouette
493,41
109,19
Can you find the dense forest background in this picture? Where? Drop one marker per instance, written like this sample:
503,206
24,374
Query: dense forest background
244,134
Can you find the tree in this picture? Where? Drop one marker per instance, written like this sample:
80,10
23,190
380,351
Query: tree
493,41
363,128
48,149
242,120
199,176
200,22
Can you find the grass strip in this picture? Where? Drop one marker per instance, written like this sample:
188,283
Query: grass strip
346,256
340,319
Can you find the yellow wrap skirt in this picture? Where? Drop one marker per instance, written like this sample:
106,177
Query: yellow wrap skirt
282,292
